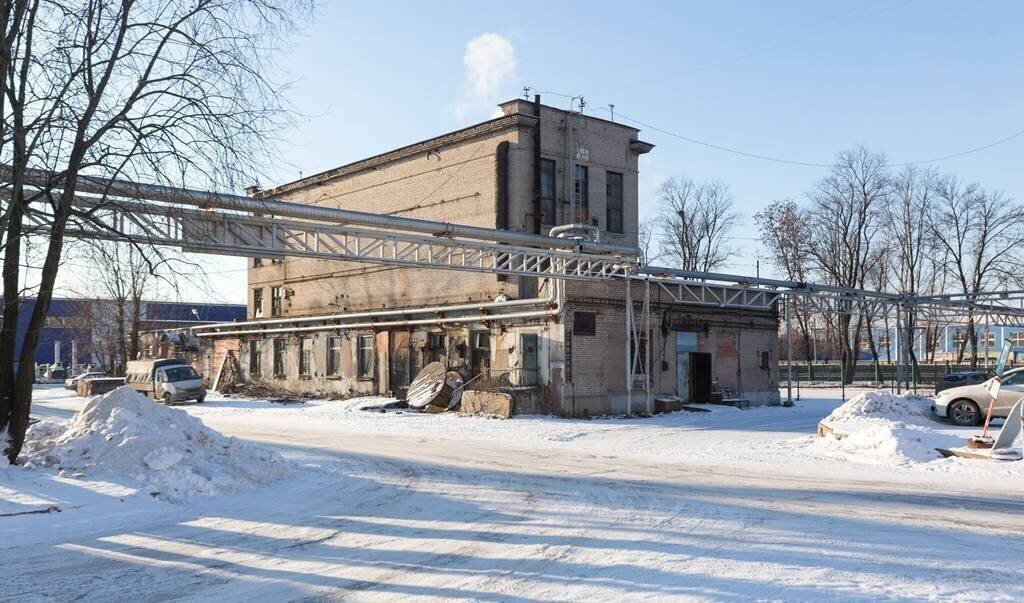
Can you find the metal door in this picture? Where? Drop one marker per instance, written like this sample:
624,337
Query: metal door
531,360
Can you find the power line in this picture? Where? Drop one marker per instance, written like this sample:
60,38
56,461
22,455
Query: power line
809,163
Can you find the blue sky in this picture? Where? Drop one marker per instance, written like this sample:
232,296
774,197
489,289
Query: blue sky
795,80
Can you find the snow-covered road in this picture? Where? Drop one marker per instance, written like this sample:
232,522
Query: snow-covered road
722,505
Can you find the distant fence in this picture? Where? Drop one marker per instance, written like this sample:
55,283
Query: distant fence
868,373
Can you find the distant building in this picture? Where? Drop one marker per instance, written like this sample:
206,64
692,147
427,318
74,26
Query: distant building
74,329
532,168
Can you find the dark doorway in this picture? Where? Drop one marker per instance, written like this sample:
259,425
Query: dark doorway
700,376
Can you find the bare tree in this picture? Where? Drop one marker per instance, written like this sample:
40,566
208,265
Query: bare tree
645,240
784,230
152,90
844,223
980,234
695,222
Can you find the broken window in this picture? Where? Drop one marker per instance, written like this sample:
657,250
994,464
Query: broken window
334,356
306,356
480,351
437,348
364,345
613,202
257,303
275,301
254,358
279,358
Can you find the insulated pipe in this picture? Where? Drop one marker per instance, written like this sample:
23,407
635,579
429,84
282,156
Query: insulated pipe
798,287
534,301
211,200
394,323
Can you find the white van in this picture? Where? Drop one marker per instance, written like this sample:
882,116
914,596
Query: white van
167,380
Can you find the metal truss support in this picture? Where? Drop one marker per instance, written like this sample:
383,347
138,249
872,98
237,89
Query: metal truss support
200,231
789,351
629,348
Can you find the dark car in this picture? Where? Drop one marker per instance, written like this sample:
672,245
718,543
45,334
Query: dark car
958,379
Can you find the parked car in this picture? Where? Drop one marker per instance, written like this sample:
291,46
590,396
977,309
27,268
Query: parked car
167,380
72,382
967,404
961,378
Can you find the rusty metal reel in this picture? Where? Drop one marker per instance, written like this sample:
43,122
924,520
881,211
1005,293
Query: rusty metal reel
428,387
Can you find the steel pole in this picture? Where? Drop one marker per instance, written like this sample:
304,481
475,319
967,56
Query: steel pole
647,344
789,352
629,349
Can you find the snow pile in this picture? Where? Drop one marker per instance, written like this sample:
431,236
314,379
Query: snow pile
127,434
885,427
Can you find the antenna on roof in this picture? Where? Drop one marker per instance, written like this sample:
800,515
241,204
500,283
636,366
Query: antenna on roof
526,92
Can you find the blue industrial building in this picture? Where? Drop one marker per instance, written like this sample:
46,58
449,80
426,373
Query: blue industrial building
67,329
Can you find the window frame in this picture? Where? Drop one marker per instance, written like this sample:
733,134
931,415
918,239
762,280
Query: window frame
279,352
255,358
547,203
257,302
1017,339
610,211
276,300
584,324
581,192
365,344
305,356
334,348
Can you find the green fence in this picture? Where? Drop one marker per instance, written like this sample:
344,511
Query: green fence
867,372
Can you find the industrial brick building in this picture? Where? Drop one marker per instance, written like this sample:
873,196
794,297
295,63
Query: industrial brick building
346,328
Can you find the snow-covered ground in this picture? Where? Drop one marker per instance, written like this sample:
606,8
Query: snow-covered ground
728,504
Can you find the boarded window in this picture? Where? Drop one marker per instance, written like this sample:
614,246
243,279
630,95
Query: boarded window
306,356
584,323
364,344
613,200
334,356
279,358
547,191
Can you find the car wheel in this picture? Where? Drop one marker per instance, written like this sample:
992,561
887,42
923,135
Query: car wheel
200,400
964,413
167,399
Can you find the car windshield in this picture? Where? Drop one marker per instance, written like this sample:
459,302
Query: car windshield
180,373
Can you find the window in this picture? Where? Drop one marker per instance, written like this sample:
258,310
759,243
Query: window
613,201
1014,378
883,341
257,303
276,261
959,337
254,358
279,358
364,345
582,193
1017,339
584,323
437,348
257,262
988,339
275,301
334,356
547,191
765,361
638,352
480,352
306,356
